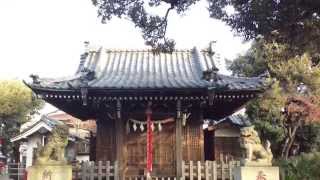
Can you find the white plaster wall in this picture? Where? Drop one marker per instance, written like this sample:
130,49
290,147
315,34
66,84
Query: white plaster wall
228,132
23,150
32,143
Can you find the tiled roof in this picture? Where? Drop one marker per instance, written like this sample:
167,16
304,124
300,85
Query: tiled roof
49,123
136,69
238,120
72,122
44,123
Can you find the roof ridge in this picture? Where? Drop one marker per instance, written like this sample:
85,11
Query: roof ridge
127,68
135,50
98,49
140,50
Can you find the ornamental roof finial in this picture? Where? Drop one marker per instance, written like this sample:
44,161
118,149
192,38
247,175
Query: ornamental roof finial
35,79
86,46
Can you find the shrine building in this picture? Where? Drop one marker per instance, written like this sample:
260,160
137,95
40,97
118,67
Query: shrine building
120,89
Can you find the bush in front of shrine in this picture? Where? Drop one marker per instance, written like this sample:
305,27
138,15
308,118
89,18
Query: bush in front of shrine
303,167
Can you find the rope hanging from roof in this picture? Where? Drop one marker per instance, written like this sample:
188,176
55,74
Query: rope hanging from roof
135,124
141,124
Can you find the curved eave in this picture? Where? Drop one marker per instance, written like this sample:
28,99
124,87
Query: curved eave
226,101
142,90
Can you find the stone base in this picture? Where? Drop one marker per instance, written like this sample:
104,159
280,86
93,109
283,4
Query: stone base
4,177
50,172
263,163
256,173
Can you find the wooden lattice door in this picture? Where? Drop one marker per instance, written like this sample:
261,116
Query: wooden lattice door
163,152
193,142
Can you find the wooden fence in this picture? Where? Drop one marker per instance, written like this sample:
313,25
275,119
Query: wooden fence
208,170
95,171
15,171
151,178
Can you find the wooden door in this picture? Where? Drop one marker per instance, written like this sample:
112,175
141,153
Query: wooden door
226,148
163,152
192,145
106,141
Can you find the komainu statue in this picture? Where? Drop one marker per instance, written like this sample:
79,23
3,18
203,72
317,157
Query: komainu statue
254,153
53,152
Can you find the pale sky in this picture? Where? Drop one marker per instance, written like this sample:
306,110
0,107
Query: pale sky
46,37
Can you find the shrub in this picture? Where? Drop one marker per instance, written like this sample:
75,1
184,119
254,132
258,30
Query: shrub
303,167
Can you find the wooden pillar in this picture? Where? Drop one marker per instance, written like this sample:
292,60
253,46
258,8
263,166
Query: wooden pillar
105,140
119,127
178,141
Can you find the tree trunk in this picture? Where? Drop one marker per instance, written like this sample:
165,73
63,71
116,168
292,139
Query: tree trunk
288,144
283,151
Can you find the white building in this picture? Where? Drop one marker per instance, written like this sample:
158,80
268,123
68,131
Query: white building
33,134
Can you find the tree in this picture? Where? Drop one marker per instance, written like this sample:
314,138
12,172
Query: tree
293,22
298,112
16,107
293,79
265,113
252,63
153,27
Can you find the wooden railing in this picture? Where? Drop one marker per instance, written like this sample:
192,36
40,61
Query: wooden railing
191,170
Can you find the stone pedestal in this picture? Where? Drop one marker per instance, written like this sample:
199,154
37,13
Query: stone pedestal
50,172
4,177
256,173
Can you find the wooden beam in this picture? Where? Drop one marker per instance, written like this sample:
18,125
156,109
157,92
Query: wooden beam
178,141
119,126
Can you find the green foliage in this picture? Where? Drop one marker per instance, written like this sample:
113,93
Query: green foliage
265,112
287,73
17,105
292,71
292,22
303,167
252,63
266,115
309,138
17,101
153,27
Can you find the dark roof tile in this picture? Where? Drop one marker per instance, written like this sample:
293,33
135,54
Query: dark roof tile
132,69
